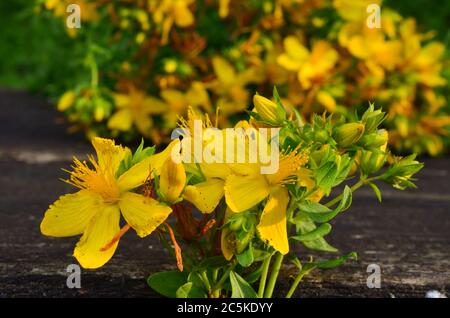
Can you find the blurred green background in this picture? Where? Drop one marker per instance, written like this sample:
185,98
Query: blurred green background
36,54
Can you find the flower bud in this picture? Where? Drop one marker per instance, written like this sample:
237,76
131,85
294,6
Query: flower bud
172,181
372,161
375,140
348,134
243,239
269,111
372,119
66,100
321,136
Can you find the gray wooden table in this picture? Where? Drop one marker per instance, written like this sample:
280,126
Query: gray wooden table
408,236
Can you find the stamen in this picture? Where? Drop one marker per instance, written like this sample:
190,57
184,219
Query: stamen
208,226
176,247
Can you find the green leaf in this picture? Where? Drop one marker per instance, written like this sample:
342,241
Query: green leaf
245,259
240,288
326,176
254,276
319,232
189,290
320,245
259,255
346,200
167,283
318,212
213,262
376,190
335,262
314,207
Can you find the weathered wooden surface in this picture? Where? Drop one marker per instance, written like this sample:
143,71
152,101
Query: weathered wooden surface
408,235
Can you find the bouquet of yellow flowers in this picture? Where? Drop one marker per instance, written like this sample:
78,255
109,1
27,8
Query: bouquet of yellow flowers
231,205
147,61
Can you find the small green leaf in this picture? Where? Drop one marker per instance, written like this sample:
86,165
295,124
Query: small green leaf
189,290
213,262
245,259
254,276
346,200
167,283
326,176
335,262
319,232
376,190
260,255
320,245
317,212
314,207
240,288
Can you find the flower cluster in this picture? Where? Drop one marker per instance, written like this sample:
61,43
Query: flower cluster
164,56
229,204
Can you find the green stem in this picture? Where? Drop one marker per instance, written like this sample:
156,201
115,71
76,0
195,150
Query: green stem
274,275
206,280
354,187
263,279
224,277
295,284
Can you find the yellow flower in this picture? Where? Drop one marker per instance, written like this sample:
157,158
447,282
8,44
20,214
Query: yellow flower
168,12
135,109
230,85
178,102
205,195
371,46
353,10
246,187
95,210
311,66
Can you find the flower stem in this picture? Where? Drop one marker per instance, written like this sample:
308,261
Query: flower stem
224,278
354,187
274,275
295,284
265,272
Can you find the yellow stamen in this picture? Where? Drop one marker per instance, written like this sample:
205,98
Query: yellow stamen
97,180
289,164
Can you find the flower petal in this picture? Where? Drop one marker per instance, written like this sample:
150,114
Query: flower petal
121,120
244,192
137,174
142,213
109,154
70,214
224,71
101,230
272,226
205,195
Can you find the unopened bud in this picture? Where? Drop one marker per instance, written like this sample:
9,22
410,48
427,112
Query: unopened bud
66,100
172,181
269,111
372,161
375,140
348,134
